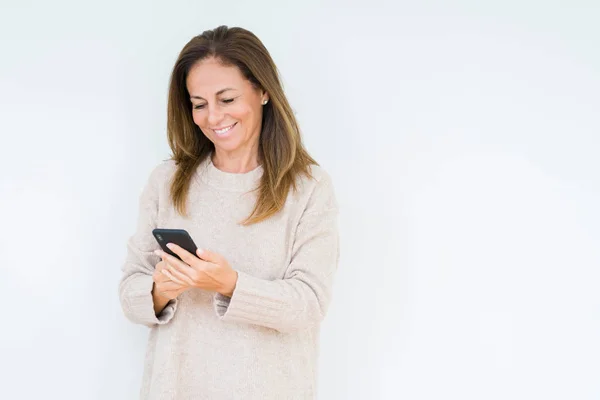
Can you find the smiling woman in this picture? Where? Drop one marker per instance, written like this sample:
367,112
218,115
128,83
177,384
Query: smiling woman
239,319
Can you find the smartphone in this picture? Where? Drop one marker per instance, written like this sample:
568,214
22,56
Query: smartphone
179,237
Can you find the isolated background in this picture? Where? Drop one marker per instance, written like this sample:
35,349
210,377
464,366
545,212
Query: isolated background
463,139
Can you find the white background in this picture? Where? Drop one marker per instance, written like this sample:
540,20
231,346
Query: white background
463,140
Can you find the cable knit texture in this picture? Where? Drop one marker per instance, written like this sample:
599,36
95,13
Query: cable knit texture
262,343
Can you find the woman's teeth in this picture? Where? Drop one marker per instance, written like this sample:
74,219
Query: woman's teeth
224,130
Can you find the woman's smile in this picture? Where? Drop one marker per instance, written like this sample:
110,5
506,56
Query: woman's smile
223,132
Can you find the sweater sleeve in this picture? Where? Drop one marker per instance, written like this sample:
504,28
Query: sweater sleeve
299,300
135,287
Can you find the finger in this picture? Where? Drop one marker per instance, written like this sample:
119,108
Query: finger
174,261
172,278
180,276
159,277
185,255
160,265
209,256
162,279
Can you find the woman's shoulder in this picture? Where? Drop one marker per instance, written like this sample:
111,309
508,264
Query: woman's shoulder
162,172
319,173
318,178
316,190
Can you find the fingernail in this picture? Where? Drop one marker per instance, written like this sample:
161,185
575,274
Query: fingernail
200,251
157,252
170,245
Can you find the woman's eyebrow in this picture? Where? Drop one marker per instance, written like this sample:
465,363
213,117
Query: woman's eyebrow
218,93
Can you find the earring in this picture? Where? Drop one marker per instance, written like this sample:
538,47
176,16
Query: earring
265,102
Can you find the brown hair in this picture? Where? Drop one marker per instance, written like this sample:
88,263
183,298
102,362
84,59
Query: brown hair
281,151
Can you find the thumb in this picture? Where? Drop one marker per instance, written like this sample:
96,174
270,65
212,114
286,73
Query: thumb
208,256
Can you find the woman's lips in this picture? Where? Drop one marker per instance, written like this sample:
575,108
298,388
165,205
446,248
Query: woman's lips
223,131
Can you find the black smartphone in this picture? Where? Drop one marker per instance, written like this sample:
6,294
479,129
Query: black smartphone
180,237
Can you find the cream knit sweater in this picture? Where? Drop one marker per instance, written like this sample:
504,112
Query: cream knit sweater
263,342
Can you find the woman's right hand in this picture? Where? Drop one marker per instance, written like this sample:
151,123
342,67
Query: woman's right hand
165,287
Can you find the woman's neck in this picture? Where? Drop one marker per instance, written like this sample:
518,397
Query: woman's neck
237,164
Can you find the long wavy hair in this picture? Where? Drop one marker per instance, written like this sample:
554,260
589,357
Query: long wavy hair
281,152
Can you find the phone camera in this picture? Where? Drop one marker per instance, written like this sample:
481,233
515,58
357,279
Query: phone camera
159,237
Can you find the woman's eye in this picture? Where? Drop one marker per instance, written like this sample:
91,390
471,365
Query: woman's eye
200,106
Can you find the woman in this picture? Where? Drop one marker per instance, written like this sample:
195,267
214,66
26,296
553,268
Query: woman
239,319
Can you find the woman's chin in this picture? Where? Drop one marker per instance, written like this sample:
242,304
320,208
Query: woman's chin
227,145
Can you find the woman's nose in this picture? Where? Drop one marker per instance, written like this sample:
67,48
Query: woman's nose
214,116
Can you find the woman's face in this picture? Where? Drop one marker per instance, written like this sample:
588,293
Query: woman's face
226,107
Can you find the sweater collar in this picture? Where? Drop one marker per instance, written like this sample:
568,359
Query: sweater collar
234,182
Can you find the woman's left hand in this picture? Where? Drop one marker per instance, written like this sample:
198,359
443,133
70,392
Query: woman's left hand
205,270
